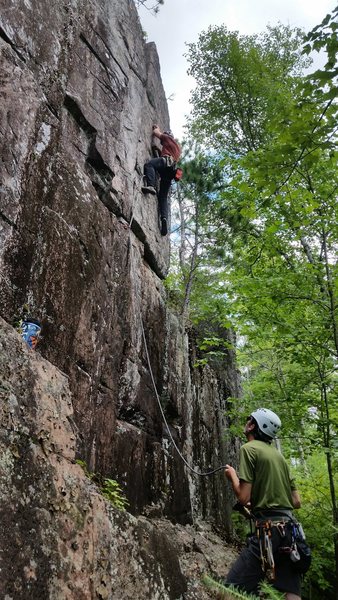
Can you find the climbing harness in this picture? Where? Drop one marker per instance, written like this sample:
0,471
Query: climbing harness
290,541
177,172
169,161
191,469
277,532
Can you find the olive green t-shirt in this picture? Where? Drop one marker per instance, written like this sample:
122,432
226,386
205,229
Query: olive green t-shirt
266,469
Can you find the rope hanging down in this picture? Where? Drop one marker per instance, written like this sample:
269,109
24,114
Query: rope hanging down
163,415
194,471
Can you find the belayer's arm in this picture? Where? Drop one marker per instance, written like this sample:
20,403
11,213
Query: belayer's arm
295,499
242,489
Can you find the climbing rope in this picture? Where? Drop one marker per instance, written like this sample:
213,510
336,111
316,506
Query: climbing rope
191,469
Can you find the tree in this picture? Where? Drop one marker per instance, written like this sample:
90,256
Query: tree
195,290
202,179
273,229
241,81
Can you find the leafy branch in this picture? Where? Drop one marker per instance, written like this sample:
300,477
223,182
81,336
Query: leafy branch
109,488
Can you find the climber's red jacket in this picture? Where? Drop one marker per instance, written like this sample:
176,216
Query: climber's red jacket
170,147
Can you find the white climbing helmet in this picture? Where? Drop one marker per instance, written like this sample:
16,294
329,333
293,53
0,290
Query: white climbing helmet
268,422
169,132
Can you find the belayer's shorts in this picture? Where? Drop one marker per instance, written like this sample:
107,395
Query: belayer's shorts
246,573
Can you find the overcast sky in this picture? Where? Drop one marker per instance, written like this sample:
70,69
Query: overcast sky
180,21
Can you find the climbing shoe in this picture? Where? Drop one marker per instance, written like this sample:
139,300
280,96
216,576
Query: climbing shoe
164,226
148,189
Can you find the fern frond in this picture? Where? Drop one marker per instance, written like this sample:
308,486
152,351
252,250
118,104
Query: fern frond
270,593
230,593
226,593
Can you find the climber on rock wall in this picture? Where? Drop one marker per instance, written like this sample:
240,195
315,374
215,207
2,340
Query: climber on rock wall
264,484
165,166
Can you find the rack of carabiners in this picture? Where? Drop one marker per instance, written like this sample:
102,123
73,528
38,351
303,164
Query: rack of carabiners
264,532
264,536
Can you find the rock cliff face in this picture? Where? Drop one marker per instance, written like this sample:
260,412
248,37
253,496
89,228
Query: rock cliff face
59,538
81,246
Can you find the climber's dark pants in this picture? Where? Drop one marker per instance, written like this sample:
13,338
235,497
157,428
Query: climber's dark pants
159,165
246,573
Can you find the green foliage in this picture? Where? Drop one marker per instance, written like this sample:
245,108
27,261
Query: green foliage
313,483
225,593
324,37
269,592
265,244
109,488
241,81
84,466
112,491
230,592
213,349
240,525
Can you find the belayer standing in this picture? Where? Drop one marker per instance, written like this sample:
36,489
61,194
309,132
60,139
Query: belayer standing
165,166
265,485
